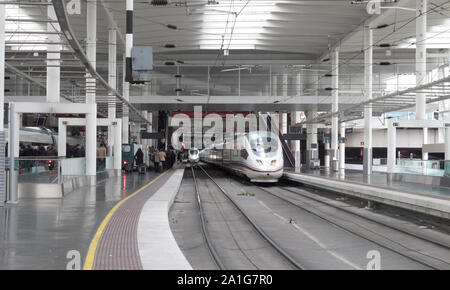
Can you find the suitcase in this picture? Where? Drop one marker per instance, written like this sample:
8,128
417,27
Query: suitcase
142,169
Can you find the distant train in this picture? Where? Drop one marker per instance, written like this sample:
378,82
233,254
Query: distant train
194,156
260,157
42,136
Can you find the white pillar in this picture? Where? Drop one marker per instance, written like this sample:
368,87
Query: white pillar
295,118
274,86
392,144
2,64
91,48
298,85
53,69
447,144
112,81
2,101
62,137
91,118
342,146
284,86
17,125
326,158
284,92
368,71
91,143
335,108
118,145
125,109
421,64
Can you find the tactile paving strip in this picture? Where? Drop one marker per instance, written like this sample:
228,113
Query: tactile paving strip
117,248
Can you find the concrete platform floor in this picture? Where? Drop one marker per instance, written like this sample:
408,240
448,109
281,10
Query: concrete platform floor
378,179
38,233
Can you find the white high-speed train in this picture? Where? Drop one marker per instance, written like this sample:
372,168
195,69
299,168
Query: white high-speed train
194,156
42,136
260,157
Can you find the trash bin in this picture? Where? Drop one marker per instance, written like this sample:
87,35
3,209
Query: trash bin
8,191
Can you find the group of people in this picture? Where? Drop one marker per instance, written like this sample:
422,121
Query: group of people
162,159
76,151
28,150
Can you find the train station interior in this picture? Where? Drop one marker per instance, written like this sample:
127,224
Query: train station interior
225,135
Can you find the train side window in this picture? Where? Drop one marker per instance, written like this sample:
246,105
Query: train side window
244,154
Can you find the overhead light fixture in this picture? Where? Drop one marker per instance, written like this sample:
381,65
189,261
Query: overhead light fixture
159,2
178,76
169,45
326,59
169,63
243,67
384,63
226,52
171,26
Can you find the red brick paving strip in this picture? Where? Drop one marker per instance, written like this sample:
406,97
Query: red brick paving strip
117,248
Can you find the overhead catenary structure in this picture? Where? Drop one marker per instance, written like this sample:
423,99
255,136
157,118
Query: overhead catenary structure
331,60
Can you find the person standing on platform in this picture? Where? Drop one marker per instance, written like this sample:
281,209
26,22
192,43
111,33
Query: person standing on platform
156,156
139,157
162,159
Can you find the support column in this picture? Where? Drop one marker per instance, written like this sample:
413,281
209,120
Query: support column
421,65
392,144
326,158
368,71
125,109
284,85
91,48
62,137
334,109
112,81
312,147
53,57
2,102
447,144
118,147
298,85
91,118
274,86
144,142
91,144
342,146
295,118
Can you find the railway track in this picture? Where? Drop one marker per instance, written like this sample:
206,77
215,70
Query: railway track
209,241
363,227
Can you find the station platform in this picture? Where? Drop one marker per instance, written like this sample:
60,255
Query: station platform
99,222
412,192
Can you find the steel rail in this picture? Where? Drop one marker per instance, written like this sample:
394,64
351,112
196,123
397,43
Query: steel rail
256,227
365,237
211,248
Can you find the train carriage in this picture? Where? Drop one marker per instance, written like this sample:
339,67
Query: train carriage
258,156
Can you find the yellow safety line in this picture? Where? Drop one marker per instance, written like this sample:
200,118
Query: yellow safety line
89,262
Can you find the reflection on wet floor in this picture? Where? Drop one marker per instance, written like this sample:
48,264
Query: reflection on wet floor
38,233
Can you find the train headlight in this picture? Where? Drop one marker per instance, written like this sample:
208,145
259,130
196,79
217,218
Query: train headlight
273,162
259,162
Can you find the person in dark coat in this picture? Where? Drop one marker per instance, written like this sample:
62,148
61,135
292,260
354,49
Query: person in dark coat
139,157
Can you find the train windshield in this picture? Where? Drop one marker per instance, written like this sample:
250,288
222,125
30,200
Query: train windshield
263,144
193,151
